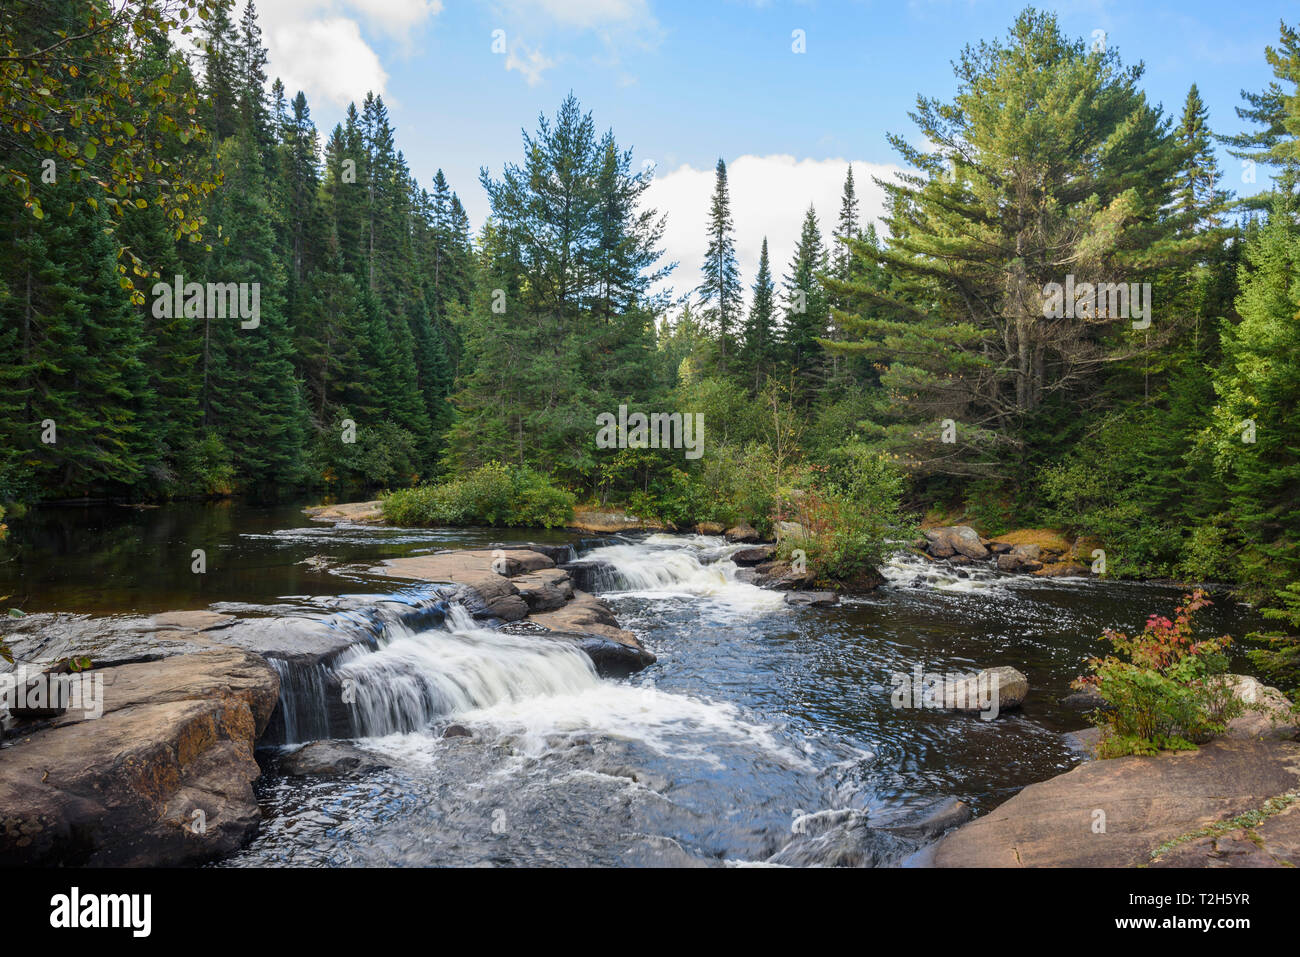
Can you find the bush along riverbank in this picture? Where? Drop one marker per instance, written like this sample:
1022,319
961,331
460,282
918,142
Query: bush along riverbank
1197,767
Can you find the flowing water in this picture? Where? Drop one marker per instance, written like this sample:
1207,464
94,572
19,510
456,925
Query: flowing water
756,713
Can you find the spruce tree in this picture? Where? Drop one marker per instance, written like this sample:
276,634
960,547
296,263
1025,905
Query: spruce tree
719,293
760,340
807,313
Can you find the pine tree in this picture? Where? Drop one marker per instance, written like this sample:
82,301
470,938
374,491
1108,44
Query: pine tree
1258,412
1275,142
760,340
807,313
999,212
719,293
847,229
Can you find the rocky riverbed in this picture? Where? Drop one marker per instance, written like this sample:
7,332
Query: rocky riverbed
624,686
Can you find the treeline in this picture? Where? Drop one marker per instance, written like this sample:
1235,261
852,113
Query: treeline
362,273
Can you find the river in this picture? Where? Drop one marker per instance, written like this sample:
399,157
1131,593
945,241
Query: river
755,715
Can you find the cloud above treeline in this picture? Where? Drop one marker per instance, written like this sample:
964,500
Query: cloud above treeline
769,196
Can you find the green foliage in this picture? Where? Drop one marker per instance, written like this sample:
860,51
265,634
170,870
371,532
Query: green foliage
493,494
1279,655
852,515
1163,689
383,455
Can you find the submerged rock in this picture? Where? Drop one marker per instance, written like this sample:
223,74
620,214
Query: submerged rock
817,599
929,822
841,838
329,758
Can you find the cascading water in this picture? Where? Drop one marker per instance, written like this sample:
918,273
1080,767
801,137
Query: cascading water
672,566
417,677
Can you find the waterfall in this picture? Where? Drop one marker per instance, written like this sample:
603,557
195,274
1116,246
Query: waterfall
676,566
414,677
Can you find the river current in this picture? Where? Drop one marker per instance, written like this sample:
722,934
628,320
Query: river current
756,714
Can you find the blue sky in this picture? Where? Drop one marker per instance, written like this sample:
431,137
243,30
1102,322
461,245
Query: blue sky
686,82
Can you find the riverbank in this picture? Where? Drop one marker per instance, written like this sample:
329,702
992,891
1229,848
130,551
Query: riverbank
1234,802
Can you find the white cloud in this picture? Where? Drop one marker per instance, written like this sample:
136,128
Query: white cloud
530,63
396,17
615,24
320,46
327,59
769,196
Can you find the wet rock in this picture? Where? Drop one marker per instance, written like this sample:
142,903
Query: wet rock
928,823
781,576
1021,558
1004,686
1083,742
754,556
812,599
494,597
613,659
841,838
588,616
1063,570
1086,700
556,553
329,759
162,778
951,540
457,731
741,533
590,575
545,590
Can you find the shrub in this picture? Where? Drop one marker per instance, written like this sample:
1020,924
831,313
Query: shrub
1165,691
851,514
493,494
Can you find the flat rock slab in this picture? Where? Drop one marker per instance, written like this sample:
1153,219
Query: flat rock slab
361,512
162,778
611,521
812,599
588,615
483,572
1148,802
465,566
